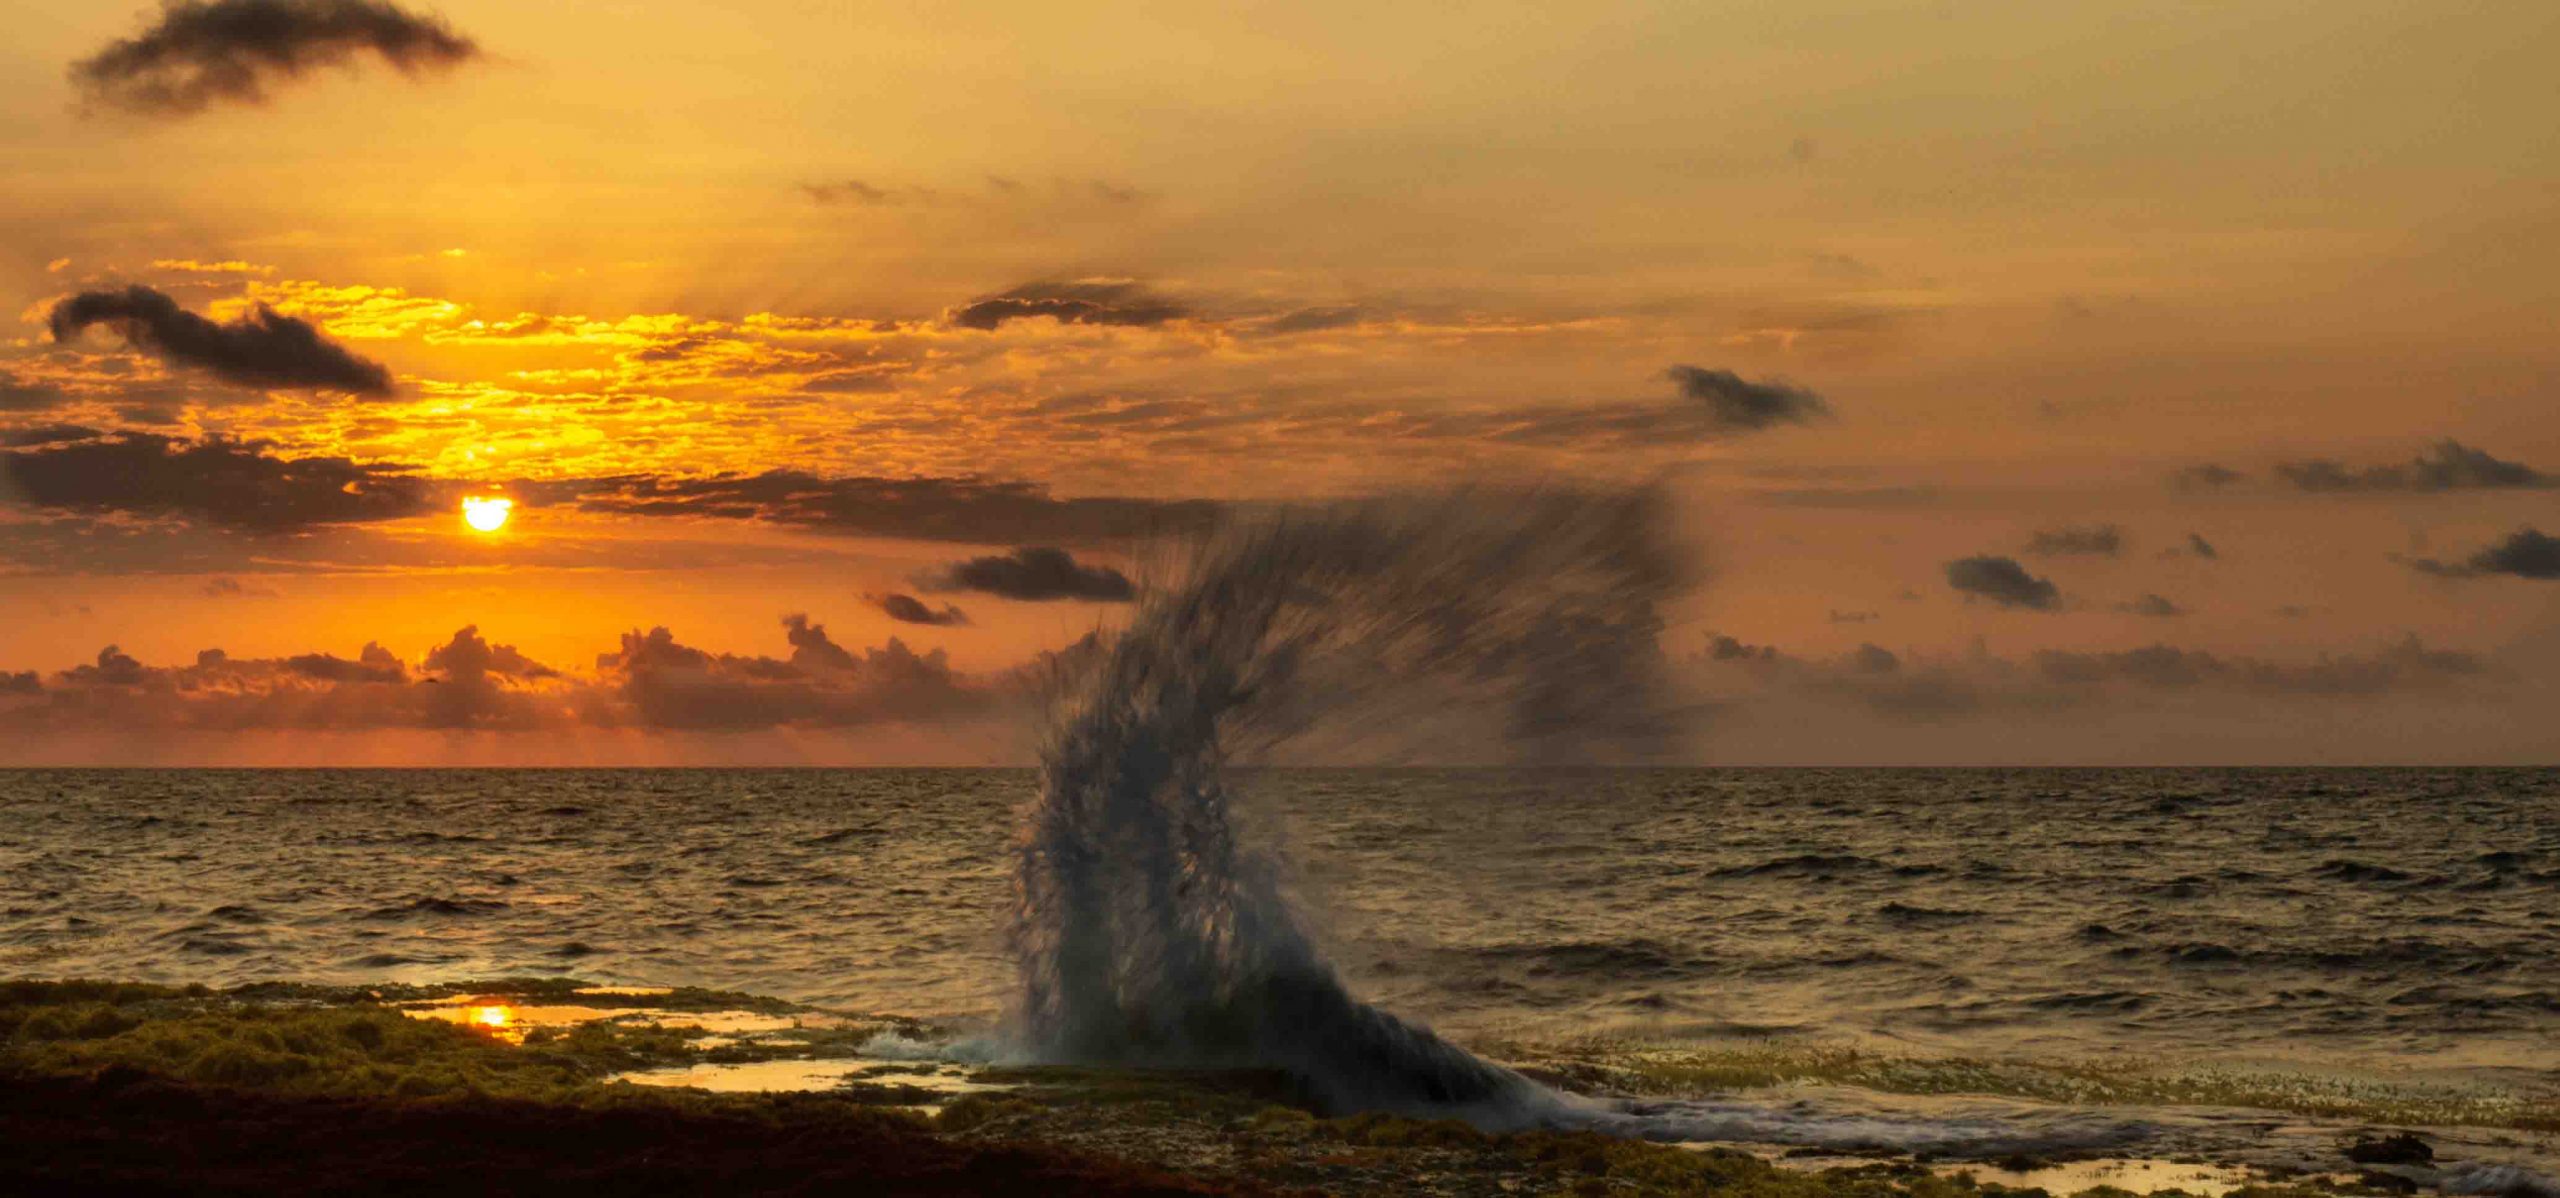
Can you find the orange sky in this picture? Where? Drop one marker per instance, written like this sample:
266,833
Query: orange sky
950,269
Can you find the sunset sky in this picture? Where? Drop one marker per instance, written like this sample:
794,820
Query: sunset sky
2104,382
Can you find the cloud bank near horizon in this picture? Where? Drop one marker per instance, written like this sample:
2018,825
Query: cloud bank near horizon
1749,702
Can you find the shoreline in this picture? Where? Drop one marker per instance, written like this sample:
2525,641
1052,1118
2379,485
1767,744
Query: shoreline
104,1079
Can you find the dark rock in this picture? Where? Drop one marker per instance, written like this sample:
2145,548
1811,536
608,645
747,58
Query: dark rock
2399,1148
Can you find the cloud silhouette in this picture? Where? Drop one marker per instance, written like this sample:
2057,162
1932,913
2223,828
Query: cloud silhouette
1725,648
464,683
656,681
1711,404
262,349
2446,466
2003,581
2526,553
2058,682
1035,574
907,609
373,663
248,485
811,647
206,52
1091,301
1732,402
470,682
238,484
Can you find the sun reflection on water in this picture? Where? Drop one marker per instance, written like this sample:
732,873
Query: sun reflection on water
498,1020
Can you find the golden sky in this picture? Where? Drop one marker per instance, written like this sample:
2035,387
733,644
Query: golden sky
2234,323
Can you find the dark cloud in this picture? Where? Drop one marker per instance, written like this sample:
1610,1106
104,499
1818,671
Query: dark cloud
467,655
907,609
1724,648
203,52
2447,466
114,667
48,434
247,485
232,483
1711,404
469,682
811,648
372,664
2526,553
19,395
2205,477
661,683
262,350
1853,617
1096,302
2153,605
936,509
2202,548
1035,574
1732,402
2097,540
464,683
2003,581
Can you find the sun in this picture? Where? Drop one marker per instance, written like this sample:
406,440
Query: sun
487,514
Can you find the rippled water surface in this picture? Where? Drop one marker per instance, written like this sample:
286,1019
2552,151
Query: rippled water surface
2361,917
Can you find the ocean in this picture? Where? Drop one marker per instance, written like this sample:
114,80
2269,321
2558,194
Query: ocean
2392,923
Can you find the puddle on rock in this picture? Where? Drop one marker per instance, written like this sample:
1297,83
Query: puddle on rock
907,1075
927,1084
510,1021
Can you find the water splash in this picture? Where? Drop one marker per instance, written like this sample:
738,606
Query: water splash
1473,626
